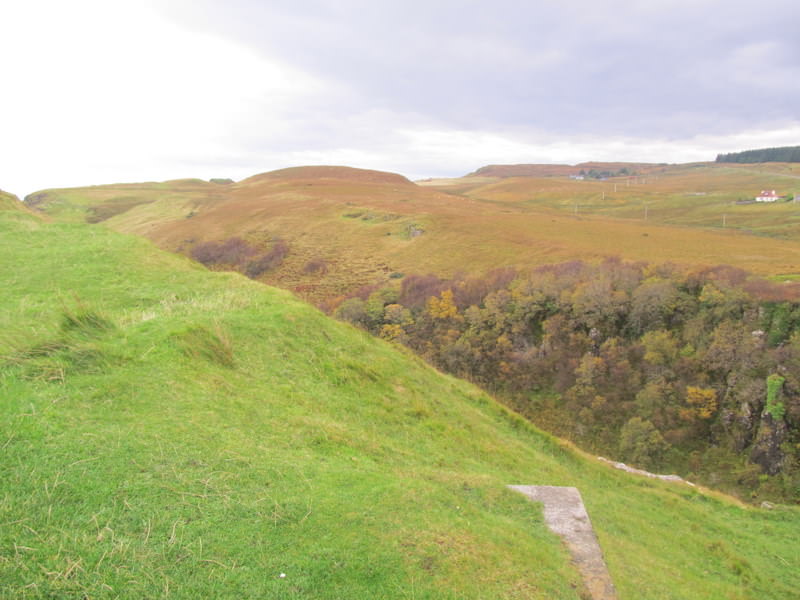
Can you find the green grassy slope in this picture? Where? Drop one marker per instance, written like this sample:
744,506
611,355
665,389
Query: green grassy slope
170,432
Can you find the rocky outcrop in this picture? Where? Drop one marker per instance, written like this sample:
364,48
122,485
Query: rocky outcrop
766,451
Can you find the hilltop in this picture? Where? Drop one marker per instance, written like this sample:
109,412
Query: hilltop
173,431
331,172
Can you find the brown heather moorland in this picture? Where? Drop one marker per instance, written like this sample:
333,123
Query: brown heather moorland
346,228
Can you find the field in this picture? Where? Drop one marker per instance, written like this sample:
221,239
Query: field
172,432
696,195
364,227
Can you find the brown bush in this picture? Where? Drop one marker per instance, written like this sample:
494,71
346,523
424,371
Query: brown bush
316,265
268,261
234,251
416,289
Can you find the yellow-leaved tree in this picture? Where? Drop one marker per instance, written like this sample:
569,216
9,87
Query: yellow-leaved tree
701,403
443,307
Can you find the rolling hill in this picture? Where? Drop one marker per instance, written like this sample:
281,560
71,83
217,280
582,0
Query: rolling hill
172,432
710,196
345,228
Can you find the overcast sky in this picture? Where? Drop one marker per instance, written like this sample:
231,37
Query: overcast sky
100,91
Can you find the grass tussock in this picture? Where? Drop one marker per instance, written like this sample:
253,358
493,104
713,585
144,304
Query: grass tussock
208,343
77,347
84,322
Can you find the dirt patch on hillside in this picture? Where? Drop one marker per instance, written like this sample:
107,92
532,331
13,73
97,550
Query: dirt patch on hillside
566,516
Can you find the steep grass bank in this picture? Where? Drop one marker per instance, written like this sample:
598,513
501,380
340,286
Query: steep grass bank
170,432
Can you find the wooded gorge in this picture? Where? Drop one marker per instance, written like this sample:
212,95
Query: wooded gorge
687,369
668,369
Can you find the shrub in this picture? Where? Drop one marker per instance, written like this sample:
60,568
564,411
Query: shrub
268,261
774,407
352,310
316,265
416,289
641,443
233,251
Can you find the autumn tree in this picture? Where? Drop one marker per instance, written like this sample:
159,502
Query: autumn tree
641,443
701,403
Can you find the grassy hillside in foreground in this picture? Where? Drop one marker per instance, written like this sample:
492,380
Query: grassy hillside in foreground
346,228
170,432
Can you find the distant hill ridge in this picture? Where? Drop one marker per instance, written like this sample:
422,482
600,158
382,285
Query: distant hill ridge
544,170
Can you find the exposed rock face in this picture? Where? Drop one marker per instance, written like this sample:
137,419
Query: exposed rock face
742,405
766,451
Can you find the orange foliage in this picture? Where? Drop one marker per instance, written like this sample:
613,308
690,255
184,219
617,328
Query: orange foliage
702,403
443,307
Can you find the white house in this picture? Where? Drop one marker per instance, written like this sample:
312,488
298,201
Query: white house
767,196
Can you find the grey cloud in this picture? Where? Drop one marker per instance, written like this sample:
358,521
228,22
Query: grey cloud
668,67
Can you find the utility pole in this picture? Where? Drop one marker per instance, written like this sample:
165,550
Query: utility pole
645,211
724,220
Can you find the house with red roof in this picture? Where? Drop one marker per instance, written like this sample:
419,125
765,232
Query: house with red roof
768,196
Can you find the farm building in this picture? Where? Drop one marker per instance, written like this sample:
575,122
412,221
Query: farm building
767,196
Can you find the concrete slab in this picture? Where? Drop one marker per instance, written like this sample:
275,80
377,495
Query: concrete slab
566,516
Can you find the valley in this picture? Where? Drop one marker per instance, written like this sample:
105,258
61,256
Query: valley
170,430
